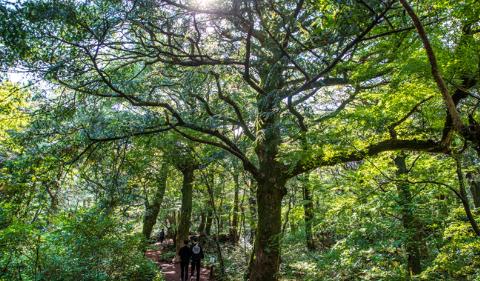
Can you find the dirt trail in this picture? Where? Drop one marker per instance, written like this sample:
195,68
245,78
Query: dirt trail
171,270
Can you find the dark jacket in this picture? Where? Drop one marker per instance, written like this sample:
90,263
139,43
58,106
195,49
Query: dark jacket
185,253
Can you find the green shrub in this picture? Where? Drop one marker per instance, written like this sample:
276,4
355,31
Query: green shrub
87,245
459,258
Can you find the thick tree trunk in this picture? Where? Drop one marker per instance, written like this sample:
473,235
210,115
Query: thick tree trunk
267,251
186,209
251,261
153,208
308,212
409,221
235,211
269,176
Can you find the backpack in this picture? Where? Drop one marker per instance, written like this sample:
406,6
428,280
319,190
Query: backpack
196,249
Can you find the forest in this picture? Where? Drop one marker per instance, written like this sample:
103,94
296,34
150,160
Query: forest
290,139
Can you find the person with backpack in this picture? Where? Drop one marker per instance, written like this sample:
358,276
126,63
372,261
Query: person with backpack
185,254
161,236
197,256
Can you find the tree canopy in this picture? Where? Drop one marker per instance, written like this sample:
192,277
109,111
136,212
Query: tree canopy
356,120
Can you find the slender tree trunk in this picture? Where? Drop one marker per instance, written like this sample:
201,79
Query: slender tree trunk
186,209
474,189
409,221
172,226
287,215
153,208
308,212
243,230
235,210
217,219
252,207
267,251
220,207
208,223
201,227
463,197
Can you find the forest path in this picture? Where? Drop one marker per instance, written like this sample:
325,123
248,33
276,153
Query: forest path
171,270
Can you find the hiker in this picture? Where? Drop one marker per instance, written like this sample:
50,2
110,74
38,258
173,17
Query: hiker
185,254
161,236
197,256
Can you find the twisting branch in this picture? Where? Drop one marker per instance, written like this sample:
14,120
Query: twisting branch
345,50
320,159
293,18
91,146
463,195
248,46
212,114
339,108
432,182
297,114
247,164
235,107
391,128
281,47
452,109
133,134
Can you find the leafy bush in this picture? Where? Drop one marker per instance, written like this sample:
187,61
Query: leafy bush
459,258
87,245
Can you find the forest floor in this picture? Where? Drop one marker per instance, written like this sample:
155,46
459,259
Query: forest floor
171,270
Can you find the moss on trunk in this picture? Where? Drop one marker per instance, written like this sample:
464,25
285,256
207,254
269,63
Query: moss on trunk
186,209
